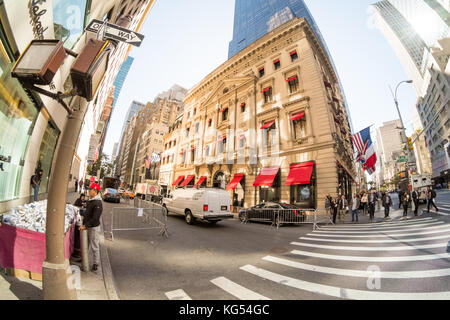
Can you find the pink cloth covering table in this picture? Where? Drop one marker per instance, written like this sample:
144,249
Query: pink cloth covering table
25,249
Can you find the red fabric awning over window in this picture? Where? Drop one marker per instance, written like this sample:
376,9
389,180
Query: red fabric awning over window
177,182
327,84
291,79
233,184
268,125
276,61
293,52
192,148
262,68
300,174
182,152
199,182
221,139
266,89
266,177
297,116
186,182
243,104
223,110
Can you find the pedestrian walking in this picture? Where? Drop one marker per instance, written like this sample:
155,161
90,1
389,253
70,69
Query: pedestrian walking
343,208
328,201
431,195
387,204
76,185
36,183
379,200
416,201
91,222
334,209
80,184
406,201
371,199
364,202
400,197
355,203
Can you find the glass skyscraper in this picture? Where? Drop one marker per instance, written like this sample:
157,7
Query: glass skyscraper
121,77
255,18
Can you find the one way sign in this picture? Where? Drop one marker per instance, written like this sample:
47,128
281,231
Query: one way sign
116,32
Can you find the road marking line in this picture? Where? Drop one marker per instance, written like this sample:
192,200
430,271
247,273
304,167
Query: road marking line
385,228
399,248
372,259
177,295
440,213
343,292
387,231
361,273
392,222
237,290
379,235
377,241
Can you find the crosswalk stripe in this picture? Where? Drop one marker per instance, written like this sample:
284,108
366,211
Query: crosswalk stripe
393,222
177,295
343,292
361,273
372,259
387,231
440,213
380,235
424,224
237,290
447,236
353,248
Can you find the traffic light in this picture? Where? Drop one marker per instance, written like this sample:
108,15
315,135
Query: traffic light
410,144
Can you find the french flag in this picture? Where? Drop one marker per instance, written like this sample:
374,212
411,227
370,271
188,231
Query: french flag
366,150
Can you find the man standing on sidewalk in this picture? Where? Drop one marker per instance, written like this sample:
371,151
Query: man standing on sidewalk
91,222
343,207
415,197
36,183
371,199
387,204
355,207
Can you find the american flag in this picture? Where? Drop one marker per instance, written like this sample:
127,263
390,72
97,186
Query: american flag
366,152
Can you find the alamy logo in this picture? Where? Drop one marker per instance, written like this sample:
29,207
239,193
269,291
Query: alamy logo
374,279
74,278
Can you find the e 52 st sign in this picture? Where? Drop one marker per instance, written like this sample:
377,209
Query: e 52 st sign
116,32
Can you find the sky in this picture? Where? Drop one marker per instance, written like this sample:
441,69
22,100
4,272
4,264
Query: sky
186,40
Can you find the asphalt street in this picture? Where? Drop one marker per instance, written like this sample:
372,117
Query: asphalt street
390,259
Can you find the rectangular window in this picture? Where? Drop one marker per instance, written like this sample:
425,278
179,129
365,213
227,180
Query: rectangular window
243,107
261,72
294,56
225,115
242,142
299,128
267,95
277,64
197,127
293,84
209,123
187,132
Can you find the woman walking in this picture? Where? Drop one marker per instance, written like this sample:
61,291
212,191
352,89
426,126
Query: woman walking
387,204
364,202
405,202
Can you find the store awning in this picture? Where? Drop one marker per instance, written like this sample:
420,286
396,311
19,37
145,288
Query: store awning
233,184
200,182
221,139
223,110
297,116
266,177
177,182
291,79
300,174
186,182
266,89
268,125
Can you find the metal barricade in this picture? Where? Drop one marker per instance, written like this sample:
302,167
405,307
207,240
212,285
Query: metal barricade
303,216
143,217
261,215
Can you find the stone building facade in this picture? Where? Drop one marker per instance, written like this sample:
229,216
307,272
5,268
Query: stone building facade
268,124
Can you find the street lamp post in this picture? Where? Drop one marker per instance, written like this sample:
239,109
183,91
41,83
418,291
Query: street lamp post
404,138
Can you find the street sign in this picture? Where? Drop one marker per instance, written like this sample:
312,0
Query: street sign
116,32
402,159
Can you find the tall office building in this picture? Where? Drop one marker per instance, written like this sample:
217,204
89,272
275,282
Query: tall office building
255,18
121,77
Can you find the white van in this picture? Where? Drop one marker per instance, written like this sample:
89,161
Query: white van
207,204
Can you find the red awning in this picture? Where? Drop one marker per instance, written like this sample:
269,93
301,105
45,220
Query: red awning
262,68
221,139
293,52
199,182
266,177
186,182
223,110
242,137
181,153
300,173
327,84
192,148
177,182
268,125
297,116
233,184
243,105
276,61
266,89
291,78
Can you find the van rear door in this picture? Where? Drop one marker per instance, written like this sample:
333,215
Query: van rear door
213,203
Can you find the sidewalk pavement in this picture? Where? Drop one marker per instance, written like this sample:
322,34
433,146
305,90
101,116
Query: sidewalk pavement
94,285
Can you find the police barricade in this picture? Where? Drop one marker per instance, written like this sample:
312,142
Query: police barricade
260,215
303,216
136,219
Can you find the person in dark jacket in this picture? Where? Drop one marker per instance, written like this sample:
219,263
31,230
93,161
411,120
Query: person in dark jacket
91,222
371,200
36,183
406,202
400,197
334,209
431,195
387,204
81,204
415,198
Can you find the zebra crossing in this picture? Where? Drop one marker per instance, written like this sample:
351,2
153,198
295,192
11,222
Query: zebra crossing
392,260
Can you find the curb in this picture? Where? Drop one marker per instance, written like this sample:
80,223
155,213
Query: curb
108,278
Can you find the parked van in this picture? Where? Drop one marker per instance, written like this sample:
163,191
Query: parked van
207,204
